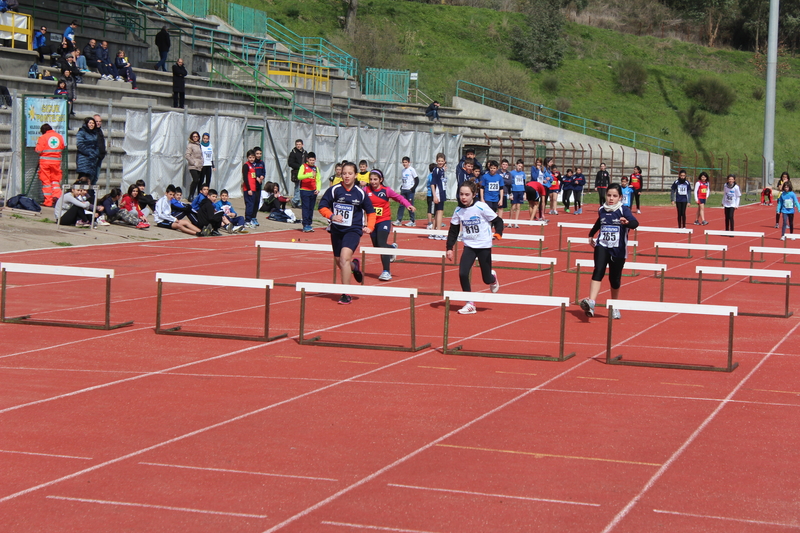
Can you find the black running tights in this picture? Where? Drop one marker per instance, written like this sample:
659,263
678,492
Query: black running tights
468,256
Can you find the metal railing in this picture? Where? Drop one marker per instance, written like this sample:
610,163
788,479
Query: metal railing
83,11
14,25
386,85
561,119
319,77
313,48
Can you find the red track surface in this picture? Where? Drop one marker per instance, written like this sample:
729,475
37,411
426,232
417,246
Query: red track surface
129,431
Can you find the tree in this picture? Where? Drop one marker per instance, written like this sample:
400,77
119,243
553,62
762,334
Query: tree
540,43
350,19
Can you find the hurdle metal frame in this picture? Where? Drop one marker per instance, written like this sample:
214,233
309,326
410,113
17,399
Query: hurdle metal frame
215,281
291,246
570,225
524,259
513,299
721,233
57,270
689,247
585,240
780,251
671,307
670,231
324,288
750,273
371,250
527,223
518,237
648,267
419,231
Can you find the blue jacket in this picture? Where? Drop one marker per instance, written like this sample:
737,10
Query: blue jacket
102,55
88,151
39,39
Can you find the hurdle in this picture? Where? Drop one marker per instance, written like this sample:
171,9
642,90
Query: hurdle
420,231
440,254
291,246
670,231
570,225
689,247
517,299
585,240
57,270
518,237
767,250
331,288
648,267
751,273
789,237
670,307
539,223
749,234
215,281
527,260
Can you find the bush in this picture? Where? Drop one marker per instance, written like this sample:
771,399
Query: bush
790,105
550,84
631,76
696,122
758,93
505,78
712,94
293,13
563,104
539,43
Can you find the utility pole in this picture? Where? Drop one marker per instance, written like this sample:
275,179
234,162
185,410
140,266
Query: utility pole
769,110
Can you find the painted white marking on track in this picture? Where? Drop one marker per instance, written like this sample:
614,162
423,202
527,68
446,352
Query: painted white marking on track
375,528
164,507
47,455
227,470
472,493
729,519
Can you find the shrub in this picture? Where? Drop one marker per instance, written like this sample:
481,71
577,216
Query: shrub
539,43
758,93
790,105
696,122
631,76
293,13
563,104
712,94
550,84
502,76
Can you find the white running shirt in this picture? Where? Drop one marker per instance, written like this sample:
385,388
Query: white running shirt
409,174
476,224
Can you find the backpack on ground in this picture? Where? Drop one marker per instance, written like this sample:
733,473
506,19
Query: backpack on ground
33,72
23,202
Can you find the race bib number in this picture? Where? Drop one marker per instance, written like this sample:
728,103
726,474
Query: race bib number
379,211
703,190
609,237
730,196
683,190
346,212
788,203
470,229
493,186
519,180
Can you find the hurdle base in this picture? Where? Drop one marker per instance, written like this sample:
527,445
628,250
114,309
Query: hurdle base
315,341
675,366
767,315
177,331
458,350
26,319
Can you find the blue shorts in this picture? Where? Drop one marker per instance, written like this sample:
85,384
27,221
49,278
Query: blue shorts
438,207
344,239
517,197
701,200
167,225
492,205
430,205
385,226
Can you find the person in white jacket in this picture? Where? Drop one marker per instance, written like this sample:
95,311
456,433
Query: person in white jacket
730,200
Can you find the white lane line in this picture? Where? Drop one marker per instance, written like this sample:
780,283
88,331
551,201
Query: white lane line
669,462
85,339
47,455
374,528
730,519
227,470
150,506
471,493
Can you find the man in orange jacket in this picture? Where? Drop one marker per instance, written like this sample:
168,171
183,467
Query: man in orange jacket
49,147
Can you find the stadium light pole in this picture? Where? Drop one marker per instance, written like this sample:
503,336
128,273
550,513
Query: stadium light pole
769,110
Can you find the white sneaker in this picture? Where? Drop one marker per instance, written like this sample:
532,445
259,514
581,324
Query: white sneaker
409,224
430,226
588,306
119,78
238,229
615,314
516,226
442,237
393,258
432,237
494,287
468,309
385,276
783,237
396,223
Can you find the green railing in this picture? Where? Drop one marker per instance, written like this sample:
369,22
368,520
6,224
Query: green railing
561,119
247,20
193,8
83,11
313,48
386,85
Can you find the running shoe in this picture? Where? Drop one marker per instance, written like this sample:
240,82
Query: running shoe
102,222
696,223
516,226
441,237
704,223
393,258
495,285
783,237
396,223
615,314
432,237
429,226
229,227
82,224
216,233
207,230
776,226
140,225
255,222
638,211
357,274
237,229
588,306
385,276
409,224
468,309
345,299
566,210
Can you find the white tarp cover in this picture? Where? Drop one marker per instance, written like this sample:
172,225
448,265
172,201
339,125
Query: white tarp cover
383,149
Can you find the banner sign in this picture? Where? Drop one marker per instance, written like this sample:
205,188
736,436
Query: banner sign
40,111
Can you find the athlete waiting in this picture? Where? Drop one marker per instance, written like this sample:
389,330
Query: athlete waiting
679,195
380,197
701,192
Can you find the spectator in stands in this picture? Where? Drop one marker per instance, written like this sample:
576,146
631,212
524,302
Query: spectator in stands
130,204
66,48
71,208
90,55
10,5
144,199
194,158
296,159
69,64
179,74
72,90
5,97
80,61
48,76
433,111
101,145
41,45
69,33
125,69
86,160
112,211
105,59
163,43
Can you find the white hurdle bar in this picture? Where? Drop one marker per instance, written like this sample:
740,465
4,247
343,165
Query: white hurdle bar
689,247
669,231
57,270
570,225
649,267
518,299
292,247
420,231
539,223
215,281
748,234
585,240
527,260
431,254
751,273
384,292
518,237
675,308
767,250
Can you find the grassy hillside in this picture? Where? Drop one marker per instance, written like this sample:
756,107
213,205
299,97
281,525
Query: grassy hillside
446,43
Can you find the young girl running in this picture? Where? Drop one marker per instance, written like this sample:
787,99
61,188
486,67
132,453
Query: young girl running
787,203
480,224
611,248
701,192
380,197
778,190
345,206
730,200
680,196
